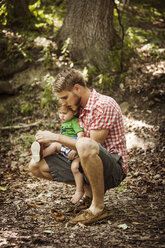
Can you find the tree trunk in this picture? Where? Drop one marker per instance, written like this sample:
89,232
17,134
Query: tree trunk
89,25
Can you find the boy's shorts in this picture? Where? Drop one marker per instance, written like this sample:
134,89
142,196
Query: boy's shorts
60,168
65,151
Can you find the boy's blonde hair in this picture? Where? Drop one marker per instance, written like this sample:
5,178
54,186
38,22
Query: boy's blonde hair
60,106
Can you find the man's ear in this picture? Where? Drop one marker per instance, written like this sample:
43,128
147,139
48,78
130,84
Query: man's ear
77,88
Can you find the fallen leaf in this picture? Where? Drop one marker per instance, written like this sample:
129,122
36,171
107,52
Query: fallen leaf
57,215
48,231
3,188
33,205
137,223
123,226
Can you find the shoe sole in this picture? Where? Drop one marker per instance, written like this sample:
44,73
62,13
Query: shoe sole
101,217
35,149
90,219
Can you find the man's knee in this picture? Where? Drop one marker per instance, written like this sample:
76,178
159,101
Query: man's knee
33,166
86,148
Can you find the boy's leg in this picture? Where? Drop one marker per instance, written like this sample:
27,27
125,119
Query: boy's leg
39,152
37,165
52,149
78,176
88,191
55,167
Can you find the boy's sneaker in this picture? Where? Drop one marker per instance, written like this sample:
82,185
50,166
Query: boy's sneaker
35,148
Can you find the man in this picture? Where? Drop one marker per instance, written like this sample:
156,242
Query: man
102,151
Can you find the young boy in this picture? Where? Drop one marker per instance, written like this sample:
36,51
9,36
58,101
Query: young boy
71,128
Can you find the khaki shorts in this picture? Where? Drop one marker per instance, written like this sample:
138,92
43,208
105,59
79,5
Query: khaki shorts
60,168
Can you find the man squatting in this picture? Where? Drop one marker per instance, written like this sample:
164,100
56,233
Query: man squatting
102,152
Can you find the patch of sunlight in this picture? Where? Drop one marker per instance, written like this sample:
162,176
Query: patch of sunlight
135,35
156,68
42,41
136,124
133,141
32,185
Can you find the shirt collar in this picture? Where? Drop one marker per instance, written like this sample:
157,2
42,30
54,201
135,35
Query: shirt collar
91,100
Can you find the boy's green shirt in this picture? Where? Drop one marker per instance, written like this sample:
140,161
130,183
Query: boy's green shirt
71,128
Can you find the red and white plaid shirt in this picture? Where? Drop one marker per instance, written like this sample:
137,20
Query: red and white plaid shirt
102,112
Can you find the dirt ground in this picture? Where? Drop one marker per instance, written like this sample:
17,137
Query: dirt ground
136,207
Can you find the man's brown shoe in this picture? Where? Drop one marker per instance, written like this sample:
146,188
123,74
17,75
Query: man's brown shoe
87,217
84,204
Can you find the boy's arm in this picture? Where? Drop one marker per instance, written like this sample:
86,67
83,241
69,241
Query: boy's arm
72,155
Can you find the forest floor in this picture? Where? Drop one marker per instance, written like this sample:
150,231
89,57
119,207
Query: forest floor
136,207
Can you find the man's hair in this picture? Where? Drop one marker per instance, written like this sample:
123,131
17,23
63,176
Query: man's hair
66,79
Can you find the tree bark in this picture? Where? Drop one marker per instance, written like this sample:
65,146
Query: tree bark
89,25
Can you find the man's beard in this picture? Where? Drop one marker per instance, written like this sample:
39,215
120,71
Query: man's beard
76,105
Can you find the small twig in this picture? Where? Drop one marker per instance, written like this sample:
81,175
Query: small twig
21,126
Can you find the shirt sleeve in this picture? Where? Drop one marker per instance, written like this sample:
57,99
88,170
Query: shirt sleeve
104,118
76,126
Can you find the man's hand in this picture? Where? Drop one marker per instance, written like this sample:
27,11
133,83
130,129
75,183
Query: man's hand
46,136
72,155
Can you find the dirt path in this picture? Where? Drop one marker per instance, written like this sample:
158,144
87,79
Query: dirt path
136,208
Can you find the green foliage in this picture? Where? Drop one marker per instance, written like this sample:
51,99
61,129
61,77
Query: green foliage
151,103
85,74
135,36
23,49
92,72
105,82
47,56
46,13
122,77
65,48
47,99
122,187
28,140
39,12
114,58
3,14
138,20
26,108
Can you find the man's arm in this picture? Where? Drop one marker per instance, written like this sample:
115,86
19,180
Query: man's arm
46,136
80,134
73,153
99,135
